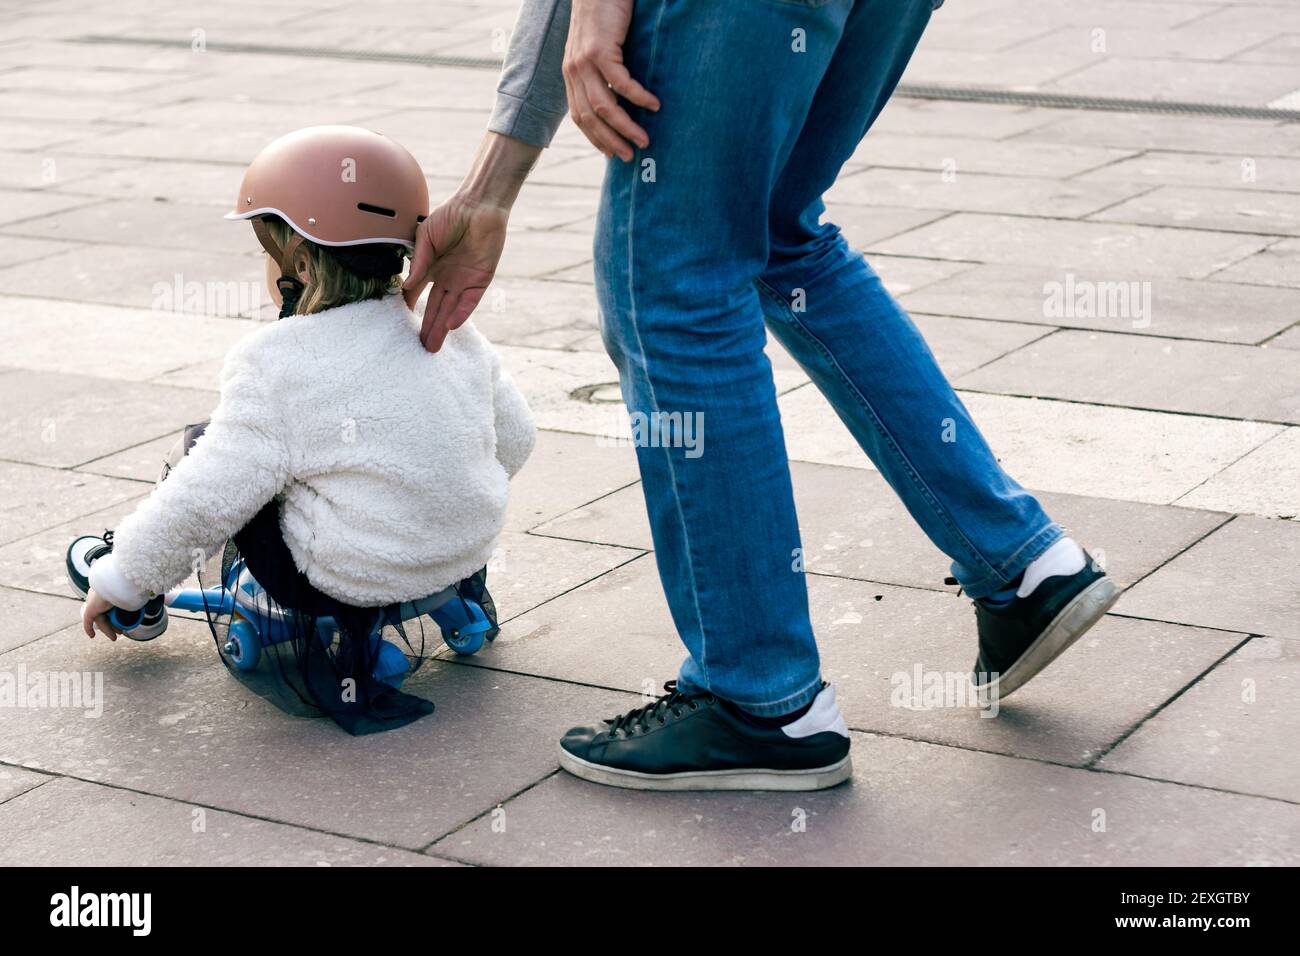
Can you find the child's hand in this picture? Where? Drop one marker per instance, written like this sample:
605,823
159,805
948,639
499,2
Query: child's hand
95,615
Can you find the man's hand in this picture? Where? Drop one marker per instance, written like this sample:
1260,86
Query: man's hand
594,72
95,615
458,247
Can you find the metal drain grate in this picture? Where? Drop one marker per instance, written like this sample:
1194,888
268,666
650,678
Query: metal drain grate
1071,101
962,94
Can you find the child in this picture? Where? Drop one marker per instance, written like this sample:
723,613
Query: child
352,468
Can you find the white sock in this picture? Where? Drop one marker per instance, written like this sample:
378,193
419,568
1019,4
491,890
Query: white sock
1064,557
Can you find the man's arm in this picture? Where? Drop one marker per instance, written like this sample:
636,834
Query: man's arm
458,246
531,101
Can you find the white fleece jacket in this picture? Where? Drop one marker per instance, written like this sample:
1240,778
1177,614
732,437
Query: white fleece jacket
391,462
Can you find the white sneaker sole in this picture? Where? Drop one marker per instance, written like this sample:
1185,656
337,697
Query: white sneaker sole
1074,620
819,778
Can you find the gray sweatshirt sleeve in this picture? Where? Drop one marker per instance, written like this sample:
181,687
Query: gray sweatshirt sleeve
530,95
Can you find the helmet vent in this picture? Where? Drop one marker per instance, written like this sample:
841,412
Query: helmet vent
377,210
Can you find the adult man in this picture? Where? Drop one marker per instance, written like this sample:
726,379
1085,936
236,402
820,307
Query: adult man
709,227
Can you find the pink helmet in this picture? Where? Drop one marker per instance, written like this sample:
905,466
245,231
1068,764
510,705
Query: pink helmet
338,186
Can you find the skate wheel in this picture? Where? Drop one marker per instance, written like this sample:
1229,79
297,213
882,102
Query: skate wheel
466,642
243,646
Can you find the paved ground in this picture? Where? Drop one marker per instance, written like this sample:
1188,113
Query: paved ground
1163,428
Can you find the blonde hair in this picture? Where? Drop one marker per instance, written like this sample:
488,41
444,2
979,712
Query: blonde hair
329,282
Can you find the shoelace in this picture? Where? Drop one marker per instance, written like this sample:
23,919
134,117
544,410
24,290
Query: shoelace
670,702
108,537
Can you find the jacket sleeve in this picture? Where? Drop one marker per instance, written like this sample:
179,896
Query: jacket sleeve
516,433
531,101
238,465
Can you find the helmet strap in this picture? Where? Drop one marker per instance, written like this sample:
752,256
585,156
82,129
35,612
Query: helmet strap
290,286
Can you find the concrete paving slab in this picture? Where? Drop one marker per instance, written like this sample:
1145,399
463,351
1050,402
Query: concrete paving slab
265,78
553,207
1278,265
1090,450
1241,577
145,222
65,420
969,120
28,616
107,341
940,154
1181,133
402,85
1115,250
1280,50
864,225
904,274
1290,339
54,47
175,724
141,462
1247,84
1180,308
202,376
1261,482
570,169
936,65
444,141
541,314
182,280
1225,730
1200,378
193,141
538,254
40,170
1108,14
1224,210
1241,16
973,192
38,105
19,206
14,781
578,391
19,251
566,472
1234,170
67,820
196,183
528,570
1141,42
36,562
985,35
962,345
65,78
37,498
999,811
853,525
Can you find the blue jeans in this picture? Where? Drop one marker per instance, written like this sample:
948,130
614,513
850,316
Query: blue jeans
713,232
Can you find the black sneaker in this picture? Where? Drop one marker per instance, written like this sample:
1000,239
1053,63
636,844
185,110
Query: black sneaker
1020,638
699,742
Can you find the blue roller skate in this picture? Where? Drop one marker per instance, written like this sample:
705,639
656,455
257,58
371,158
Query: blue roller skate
142,625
